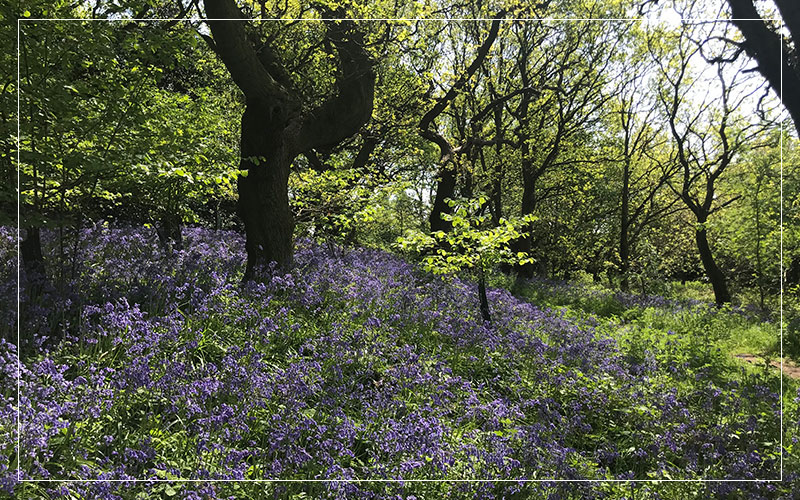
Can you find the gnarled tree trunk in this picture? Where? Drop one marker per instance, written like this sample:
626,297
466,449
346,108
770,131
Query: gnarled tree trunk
263,193
275,131
445,188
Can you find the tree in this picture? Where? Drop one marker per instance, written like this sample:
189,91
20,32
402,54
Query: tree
569,65
751,232
469,245
446,177
331,192
707,133
643,174
121,120
278,124
8,111
758,215
79,99
777,57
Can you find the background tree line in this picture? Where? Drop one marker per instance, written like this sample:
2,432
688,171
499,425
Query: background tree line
629,152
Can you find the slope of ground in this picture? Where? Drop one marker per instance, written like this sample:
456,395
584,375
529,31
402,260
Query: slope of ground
358,365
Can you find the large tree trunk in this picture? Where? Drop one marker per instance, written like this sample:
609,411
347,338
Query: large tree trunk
275,130
445,188
714,273
263,193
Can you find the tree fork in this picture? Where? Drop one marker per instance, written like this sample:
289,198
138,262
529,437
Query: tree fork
274,131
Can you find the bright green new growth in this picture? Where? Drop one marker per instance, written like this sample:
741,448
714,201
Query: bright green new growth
471,245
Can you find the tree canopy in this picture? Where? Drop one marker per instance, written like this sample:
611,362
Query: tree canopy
609,137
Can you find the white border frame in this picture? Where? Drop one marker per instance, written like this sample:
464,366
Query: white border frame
202,20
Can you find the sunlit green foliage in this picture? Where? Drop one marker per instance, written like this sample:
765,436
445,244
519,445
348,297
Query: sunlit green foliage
472,245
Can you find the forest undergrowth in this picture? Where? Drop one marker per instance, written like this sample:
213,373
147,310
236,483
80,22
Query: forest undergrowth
155,366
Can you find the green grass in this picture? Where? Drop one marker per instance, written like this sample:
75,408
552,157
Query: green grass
703,337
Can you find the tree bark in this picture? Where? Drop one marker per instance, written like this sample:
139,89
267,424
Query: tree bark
274,131
714,273
445,188
765,47
525,243
263,193
499,169
485,313
624,249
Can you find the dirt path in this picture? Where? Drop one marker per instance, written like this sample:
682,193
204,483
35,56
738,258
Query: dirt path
790,368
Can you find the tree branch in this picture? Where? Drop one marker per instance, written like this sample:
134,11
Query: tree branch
790,12
238,55
343,114
483,51
765,46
